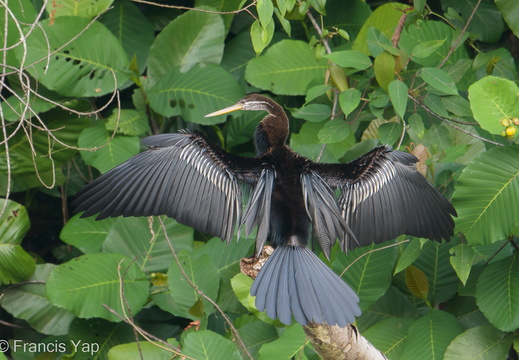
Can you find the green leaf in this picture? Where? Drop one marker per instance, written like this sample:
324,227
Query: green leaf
316,91
439,80
389,336
493,99
202,273
334,131
148,246
379,42
287,68
207,345
313,112
194,94
480,342
201,43
29,302
132,28
486,198
392,304
109,152
85,283
65,128
14,222
410,254
261,36
385,19
256,333
430,335
389,133
384,69
510,11
241,285
349,99
351,59
486,22
426,31
141,350
370,275
497,293
77,8
15,264
457,105
434,262
287,346
74,69
265,10
427,48
461,261
398,95
128,122
86,234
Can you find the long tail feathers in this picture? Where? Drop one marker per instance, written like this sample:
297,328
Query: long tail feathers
294,281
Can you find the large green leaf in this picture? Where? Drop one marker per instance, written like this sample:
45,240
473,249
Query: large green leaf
510,11
486,22
442,279
255,333
480,342
203,274
28,302
194,94
108,152
137,239
128,122
207,345
370,272
15,264
289,344
73,69
493,99
201,43
486,196
241,285
141,350
392,304
497,293
14,222
430,335
63,126
389,336
133,30
86,283
287,68
77,8
86,234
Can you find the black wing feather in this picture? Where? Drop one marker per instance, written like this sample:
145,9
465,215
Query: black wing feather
383,196
183,176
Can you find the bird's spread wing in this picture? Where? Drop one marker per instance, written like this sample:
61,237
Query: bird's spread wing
321,207
383,196
183,176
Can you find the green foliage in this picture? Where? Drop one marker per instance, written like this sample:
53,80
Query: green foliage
83,82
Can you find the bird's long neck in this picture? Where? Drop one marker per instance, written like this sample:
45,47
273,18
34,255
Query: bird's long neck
272,131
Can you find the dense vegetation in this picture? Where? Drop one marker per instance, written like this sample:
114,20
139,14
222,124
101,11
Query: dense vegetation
82,82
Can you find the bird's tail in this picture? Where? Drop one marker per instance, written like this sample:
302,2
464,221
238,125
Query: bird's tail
294,281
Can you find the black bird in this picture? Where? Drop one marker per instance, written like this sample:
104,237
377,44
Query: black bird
372,199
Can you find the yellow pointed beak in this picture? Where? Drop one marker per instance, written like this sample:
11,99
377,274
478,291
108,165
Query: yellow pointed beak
225,111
